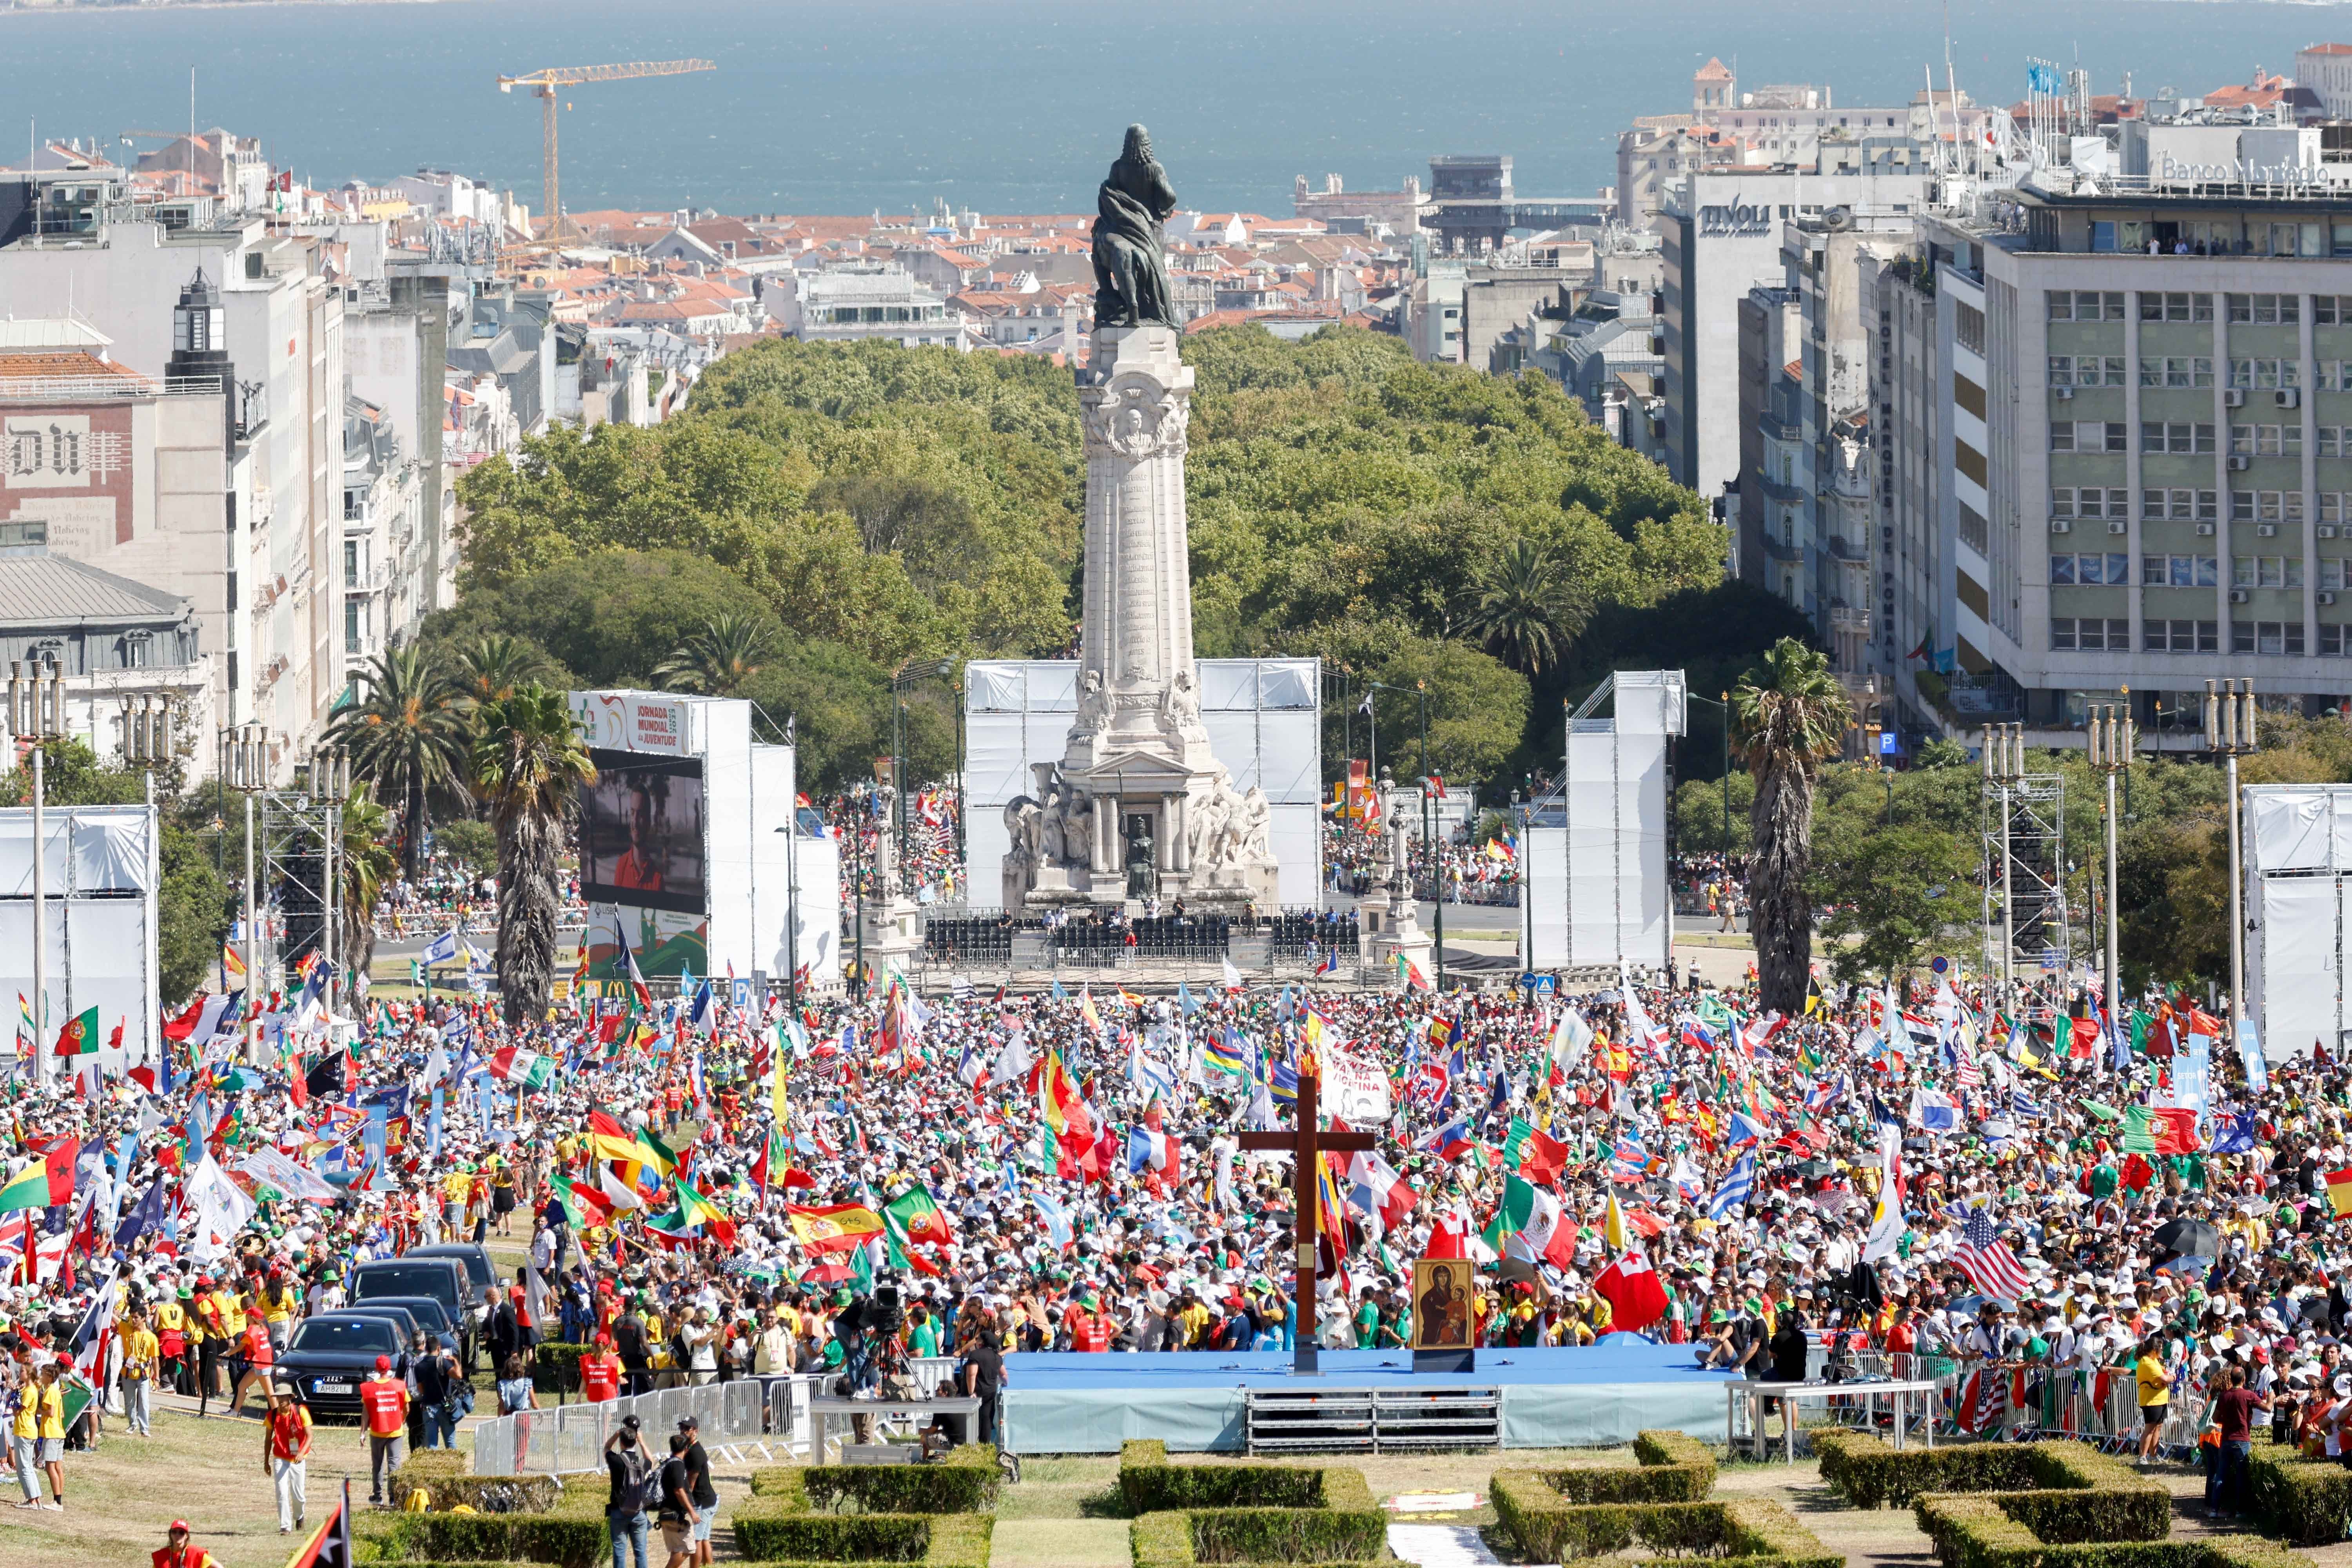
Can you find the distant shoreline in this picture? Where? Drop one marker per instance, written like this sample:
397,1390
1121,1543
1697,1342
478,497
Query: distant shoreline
84,10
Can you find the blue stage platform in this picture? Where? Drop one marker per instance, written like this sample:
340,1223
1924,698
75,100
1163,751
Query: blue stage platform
1596,1396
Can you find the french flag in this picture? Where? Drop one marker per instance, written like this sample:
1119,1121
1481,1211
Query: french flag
1150,1149
1450,1142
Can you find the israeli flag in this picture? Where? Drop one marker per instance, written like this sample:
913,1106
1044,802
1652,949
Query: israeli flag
442,948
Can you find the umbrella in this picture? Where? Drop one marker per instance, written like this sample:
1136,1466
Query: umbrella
1817,1168
2188,1236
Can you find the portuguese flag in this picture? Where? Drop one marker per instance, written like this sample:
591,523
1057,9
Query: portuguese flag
46,1184
79,1036
915,1220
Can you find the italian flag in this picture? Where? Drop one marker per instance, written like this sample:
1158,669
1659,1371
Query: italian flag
529,1069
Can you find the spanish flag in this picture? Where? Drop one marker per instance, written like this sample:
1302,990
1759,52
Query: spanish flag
231,964
834,1227
2339,1191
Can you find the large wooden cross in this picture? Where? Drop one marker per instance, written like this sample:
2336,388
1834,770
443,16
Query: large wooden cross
1302,1144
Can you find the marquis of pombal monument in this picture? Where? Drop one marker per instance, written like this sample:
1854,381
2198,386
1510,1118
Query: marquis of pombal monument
1137,805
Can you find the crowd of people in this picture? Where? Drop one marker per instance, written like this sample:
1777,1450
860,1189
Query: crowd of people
845,1185
928,859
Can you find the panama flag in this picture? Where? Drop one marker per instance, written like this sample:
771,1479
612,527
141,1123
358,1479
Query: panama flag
529,1069
1377,1189
1450,1141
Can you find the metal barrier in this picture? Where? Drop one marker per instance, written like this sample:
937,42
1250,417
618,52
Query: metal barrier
2028,1403
767,1413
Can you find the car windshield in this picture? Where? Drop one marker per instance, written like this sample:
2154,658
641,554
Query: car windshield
424,1308
420,1279
356,1336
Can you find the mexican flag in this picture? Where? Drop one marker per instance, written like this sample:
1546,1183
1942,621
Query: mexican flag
529,1069
1527,1224
584,1206
79,1036
47,1183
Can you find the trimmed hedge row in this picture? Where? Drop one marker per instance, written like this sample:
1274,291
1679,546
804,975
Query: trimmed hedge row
965,1481
442,1474
1150,1484
1741,1532
2305,1502
1178,1538
572,1533
1668,1467
2064,1491
1246,1513
1976,1532
777,1530
555,1366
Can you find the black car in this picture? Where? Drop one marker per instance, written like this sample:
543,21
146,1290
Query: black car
481,1274
332,1354
410,1324
443,1279
430,1315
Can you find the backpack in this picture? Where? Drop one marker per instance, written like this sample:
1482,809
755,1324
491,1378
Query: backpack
640,1489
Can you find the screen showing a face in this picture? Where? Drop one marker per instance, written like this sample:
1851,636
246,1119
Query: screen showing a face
641,833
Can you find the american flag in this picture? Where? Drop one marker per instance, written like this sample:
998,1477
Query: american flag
1967,1076
1987,1260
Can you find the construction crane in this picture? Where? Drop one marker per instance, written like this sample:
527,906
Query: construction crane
543,84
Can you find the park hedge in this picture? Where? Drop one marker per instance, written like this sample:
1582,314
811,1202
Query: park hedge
555,1366
1974,1530
965,1481
2065,1492
442,1474
1736,1532
1245,1514
777,1528
2303,1501
1150,1484
570,1534
1668,1467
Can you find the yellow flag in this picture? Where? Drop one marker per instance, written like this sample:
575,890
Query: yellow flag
1613,1226
776,1093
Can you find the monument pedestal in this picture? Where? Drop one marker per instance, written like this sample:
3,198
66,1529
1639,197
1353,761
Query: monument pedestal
1139,806
894,933
1388,924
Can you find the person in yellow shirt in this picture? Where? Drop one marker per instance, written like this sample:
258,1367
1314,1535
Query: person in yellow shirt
24,1435
279,1303
171,1339
142,1354
48,1402
2155,1396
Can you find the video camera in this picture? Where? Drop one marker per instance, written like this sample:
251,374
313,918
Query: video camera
886,1314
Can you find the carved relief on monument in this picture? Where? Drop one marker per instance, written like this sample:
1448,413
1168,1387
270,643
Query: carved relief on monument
1136,420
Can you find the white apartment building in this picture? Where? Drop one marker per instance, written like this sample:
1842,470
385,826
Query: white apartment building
1722,237
272,326
862,301
2150,472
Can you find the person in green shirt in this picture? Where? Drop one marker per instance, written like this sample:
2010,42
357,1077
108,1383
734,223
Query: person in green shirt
1368,1318
922,1332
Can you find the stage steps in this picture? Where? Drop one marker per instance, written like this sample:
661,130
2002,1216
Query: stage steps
1371,1421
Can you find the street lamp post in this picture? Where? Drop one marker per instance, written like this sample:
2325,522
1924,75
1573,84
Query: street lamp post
36,711
2112,739
2230,732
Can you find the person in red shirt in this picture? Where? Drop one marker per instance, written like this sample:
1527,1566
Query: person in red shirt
1090,1325
383,1398
260,1356
600,1373
179,1552
285,1448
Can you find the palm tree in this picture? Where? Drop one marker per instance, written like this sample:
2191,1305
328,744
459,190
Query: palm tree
730,648
366,864
407,737
529,760
494,667
1786,718
1526,606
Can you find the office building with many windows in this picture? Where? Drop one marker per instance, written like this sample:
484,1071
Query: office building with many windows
2149,438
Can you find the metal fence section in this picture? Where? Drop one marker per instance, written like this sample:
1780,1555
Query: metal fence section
767,1415
2020,1401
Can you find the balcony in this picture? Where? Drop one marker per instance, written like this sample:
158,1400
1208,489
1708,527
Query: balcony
1846,619
1844,549
1780,550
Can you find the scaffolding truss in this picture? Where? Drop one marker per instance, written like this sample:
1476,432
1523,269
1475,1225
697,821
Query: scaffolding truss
2027,926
